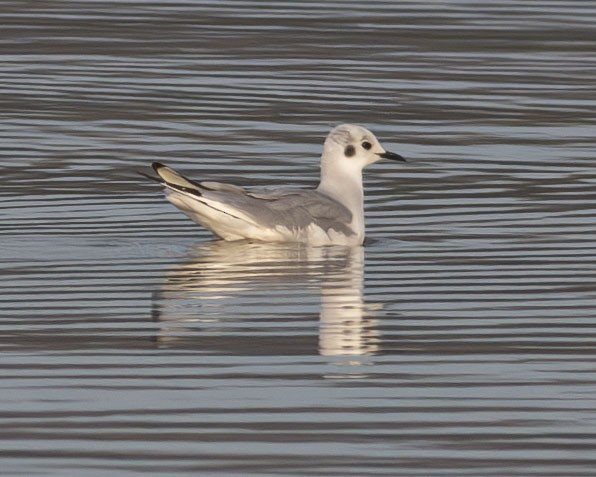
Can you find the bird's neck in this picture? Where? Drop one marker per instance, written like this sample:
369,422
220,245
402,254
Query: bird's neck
345,186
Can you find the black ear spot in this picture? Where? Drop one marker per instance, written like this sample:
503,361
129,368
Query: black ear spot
349,151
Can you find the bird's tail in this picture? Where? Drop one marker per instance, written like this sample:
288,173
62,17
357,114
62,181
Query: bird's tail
171,179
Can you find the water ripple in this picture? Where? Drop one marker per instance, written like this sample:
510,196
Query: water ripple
459,341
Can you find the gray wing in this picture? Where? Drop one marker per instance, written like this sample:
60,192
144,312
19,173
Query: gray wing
294,209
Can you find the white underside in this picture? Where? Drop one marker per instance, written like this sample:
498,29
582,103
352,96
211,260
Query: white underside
230,225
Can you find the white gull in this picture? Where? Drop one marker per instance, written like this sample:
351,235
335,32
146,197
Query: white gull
331,214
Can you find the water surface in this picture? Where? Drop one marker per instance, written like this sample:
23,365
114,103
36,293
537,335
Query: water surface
459,341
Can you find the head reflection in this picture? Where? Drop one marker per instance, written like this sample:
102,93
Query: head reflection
259,298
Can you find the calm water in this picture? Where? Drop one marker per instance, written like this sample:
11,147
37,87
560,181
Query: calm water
460,341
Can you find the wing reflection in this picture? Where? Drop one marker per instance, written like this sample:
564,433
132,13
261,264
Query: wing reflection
247,297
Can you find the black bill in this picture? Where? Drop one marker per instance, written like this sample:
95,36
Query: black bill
392,155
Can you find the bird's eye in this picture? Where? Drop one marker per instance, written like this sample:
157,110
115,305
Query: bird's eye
366,145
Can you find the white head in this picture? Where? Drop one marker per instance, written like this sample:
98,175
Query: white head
351,147
348,149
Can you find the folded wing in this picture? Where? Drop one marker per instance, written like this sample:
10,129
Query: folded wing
289,209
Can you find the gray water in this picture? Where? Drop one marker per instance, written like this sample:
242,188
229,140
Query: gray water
461,340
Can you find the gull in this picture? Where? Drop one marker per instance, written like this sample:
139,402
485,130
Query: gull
331,214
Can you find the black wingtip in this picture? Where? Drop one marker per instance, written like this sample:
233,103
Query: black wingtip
173,184
157,166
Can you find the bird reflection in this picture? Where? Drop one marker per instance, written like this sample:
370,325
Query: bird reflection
245,296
